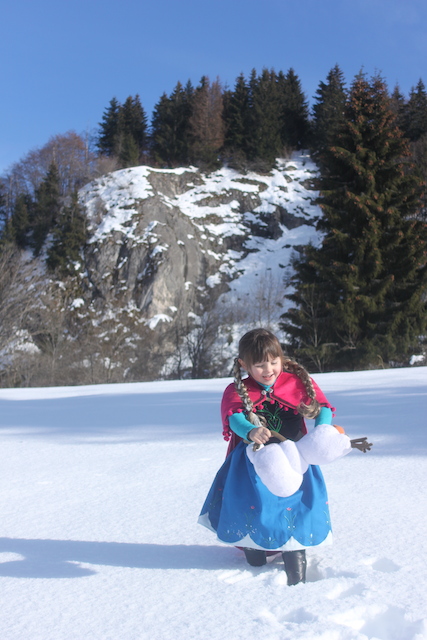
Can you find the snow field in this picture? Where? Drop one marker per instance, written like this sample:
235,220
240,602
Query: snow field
100,492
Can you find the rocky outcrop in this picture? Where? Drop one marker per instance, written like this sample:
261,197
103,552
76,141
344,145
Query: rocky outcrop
163,240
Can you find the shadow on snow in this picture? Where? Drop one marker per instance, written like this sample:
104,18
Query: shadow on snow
63,558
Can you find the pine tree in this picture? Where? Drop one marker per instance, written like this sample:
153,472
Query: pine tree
328,111
237,118
416,113
206,123
3,207
132,132
109,129
19,222
398,106
360,298
46,208
266,110
128,151
123,131
170,127
69,237
295,126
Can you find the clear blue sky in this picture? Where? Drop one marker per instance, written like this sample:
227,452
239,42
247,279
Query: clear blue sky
62,62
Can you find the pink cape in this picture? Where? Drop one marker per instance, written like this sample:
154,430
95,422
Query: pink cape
288,390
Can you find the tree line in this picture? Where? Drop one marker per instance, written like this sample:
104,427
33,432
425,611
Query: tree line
263,117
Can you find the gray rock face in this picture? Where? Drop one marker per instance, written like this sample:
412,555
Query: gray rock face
162,240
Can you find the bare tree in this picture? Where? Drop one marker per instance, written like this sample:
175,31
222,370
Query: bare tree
18,282
71,154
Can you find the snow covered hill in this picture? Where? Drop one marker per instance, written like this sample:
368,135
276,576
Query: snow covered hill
101,488
162,239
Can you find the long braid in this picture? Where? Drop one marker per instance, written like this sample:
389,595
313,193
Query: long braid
257,421
313,409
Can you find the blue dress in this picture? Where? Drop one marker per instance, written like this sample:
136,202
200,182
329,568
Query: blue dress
243,512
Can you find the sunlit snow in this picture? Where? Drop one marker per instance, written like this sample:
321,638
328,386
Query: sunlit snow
101,488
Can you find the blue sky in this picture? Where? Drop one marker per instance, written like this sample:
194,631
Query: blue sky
62,62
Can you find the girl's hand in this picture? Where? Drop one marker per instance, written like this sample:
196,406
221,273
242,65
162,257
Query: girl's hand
259,435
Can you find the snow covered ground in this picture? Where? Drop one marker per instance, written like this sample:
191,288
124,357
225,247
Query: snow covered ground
100,492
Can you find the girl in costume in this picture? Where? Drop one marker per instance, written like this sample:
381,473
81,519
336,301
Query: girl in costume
270,495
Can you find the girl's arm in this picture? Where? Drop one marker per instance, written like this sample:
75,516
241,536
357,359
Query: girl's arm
324,417
242,427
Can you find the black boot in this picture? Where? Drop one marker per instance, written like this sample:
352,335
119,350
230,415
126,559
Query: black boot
255,557
295,566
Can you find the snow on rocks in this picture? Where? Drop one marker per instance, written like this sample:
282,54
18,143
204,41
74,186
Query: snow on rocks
222,204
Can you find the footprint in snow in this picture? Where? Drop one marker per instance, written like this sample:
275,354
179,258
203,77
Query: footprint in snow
385,565
344,591
236,575
382,621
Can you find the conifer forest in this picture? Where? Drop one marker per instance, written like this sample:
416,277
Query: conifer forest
355,298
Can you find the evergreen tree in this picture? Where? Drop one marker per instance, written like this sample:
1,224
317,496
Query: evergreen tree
328,111
46,208
69,237
237,118
123,131
416,113
360,298
266,109
3,207
294,132
132,132
171,127
128,151
18,225
398,106
109,129
206,123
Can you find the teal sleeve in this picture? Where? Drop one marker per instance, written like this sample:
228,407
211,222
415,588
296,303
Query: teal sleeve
324,417
240,425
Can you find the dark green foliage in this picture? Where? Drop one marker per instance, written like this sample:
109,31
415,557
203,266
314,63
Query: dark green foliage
170,127
18,226
109,129
328,111
69,237
123,131
265,123
206,124
132,132
46,208
416,113
360,298
237,119
128,151
266,117
3,206
294,111
398,106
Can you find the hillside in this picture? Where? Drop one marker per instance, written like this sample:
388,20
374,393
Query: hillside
163,240
176,264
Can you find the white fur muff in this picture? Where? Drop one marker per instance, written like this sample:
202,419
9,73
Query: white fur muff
281,466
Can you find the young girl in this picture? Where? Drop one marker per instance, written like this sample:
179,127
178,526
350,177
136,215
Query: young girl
273,499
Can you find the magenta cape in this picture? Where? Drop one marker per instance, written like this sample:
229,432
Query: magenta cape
288,390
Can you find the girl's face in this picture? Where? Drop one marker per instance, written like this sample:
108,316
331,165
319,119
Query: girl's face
265,372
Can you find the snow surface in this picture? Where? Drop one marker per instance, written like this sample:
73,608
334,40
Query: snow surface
101,488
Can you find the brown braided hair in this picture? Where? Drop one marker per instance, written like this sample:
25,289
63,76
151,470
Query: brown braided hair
256,346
